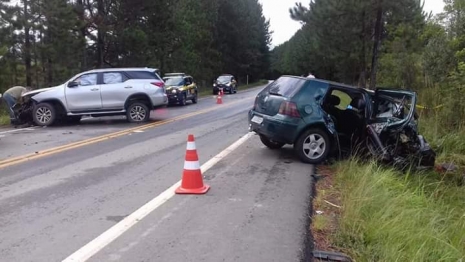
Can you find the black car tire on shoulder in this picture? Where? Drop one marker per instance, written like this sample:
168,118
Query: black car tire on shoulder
44,114
313,146
269,143
137,112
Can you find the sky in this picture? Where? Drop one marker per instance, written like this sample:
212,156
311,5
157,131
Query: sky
284,27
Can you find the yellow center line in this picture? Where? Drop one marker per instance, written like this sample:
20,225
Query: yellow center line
20,159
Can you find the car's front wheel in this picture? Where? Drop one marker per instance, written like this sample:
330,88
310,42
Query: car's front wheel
137,112
194,100
313,146
270,143
183,101
44,114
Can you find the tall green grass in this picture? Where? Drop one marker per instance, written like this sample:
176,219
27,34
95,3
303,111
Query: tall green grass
393,216
389,216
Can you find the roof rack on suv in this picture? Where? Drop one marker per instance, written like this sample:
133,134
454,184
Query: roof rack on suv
175,74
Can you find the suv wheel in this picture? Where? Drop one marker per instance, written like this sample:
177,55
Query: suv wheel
137,112
44,114
313,146
269,143
183,101
235,89
194,100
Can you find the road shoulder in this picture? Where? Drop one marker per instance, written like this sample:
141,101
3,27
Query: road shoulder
256,210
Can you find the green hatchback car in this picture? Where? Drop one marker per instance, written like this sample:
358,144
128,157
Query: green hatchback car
321,117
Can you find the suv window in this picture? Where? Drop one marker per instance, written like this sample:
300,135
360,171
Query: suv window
142,75
113,78
87,79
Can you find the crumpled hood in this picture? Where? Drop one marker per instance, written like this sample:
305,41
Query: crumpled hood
37,91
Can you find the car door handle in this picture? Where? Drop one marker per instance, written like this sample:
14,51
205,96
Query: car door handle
128,87
94,89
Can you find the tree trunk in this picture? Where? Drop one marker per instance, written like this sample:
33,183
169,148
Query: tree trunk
81,16
27,44
362,76
376,44
100,33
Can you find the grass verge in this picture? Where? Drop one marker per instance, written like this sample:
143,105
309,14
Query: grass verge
386,215
4,118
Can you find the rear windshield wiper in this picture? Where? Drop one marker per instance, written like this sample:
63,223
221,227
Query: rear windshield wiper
275,93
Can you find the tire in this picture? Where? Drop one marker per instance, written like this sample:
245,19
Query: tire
137,112
235,90
313,146
183,102
44,114
194,100
270,144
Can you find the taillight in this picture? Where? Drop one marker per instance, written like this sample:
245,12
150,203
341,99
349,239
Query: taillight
255,103
289,109
159,84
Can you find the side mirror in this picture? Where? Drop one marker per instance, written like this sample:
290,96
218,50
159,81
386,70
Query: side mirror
73,84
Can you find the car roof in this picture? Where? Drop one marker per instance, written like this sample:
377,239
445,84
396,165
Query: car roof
226,75
330,83
171,75
117,69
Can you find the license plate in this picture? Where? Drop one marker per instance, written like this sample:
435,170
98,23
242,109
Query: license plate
257,119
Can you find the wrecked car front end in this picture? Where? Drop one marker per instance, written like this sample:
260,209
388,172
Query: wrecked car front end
23,111
393,133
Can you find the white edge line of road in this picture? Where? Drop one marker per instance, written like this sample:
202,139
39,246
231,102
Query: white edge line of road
17,130
93,247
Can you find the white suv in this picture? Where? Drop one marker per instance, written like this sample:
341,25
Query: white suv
133,92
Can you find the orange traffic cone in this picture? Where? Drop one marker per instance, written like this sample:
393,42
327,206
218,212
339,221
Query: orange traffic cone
219,99
192,181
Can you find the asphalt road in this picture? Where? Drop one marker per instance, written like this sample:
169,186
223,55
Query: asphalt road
56,201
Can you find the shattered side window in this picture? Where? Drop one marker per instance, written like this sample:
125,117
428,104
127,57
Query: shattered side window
344,97
112,78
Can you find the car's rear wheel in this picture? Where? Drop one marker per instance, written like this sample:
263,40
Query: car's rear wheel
137,112
44,114
313,146
270,143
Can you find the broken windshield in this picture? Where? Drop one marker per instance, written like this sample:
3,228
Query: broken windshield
394,106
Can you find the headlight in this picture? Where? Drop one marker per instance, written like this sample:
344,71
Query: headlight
214,84
228,84
174,91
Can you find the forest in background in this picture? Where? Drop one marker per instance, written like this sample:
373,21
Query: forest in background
45,42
